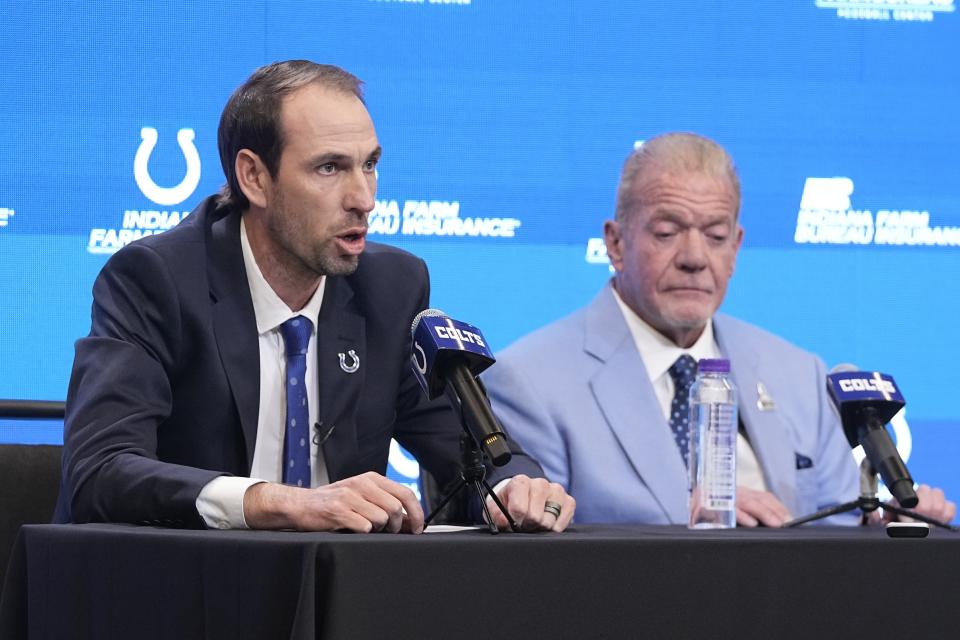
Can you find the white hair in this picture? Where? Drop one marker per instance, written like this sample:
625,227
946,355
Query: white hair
674,153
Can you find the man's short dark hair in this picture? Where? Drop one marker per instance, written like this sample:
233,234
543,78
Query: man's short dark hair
251,119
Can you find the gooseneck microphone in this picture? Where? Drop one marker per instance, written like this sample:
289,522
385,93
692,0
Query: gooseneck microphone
447,356
867,401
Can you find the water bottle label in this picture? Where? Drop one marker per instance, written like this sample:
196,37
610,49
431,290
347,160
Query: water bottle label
719,477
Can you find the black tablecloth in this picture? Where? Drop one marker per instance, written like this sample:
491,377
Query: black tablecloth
116,581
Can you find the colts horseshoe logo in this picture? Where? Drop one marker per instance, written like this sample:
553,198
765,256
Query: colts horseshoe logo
419,362
353,366
141,171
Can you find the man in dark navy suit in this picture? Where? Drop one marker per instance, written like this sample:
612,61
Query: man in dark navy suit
249,367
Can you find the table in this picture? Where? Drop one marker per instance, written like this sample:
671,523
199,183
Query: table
120,581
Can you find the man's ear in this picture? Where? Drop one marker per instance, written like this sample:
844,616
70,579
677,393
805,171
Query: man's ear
736,250
613,238
253,177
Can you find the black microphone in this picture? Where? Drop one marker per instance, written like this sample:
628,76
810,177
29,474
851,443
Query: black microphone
866,402
447,356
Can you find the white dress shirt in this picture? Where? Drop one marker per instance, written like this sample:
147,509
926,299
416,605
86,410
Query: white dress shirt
221,501
658,354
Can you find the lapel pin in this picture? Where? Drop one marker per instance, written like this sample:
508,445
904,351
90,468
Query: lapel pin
764,400
354,365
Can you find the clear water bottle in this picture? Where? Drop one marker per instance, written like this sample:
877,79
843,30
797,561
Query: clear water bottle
713,447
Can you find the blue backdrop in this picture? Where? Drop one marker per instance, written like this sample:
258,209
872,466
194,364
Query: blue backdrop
504,125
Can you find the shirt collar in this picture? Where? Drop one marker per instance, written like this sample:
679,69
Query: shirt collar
268,308
656,350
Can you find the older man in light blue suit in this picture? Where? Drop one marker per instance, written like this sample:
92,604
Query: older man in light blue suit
589,396
579,398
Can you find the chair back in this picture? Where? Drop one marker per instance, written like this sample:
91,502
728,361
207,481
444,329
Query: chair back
29,484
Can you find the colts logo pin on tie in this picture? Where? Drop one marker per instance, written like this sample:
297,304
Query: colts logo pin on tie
354,365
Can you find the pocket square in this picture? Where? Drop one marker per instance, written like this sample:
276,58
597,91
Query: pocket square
803,462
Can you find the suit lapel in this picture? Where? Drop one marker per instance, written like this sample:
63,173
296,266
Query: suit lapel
768,434
340,330
626,399
235,324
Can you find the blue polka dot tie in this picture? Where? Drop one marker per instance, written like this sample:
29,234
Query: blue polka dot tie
296,441
683,372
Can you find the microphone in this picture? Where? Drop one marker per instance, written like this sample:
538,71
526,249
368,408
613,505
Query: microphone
867,400
447,356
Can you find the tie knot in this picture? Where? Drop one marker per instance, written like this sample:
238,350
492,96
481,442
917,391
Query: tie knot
683,371
296,335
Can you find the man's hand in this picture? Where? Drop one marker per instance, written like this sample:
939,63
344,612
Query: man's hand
933,504
527,499
364,503
760,507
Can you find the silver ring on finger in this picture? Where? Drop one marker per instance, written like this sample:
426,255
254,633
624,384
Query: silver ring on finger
552,507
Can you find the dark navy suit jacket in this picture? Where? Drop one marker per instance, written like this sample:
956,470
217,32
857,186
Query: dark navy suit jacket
164,393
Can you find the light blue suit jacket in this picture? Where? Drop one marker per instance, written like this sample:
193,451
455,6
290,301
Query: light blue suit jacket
576,395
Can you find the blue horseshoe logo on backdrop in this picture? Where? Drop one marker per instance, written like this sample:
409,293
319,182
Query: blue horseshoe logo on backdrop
141,171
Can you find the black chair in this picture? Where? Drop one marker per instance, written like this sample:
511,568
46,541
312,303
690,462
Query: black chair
29,483
29,477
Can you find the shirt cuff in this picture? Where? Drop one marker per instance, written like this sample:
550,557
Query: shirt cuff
220,502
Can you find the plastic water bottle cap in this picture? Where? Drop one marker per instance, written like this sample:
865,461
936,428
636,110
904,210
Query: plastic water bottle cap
718,365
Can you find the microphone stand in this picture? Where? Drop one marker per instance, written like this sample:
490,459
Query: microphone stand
473,475
867,503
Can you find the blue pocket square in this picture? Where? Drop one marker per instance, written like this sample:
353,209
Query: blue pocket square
803,462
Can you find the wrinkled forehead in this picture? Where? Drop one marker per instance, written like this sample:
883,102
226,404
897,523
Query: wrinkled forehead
683,194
